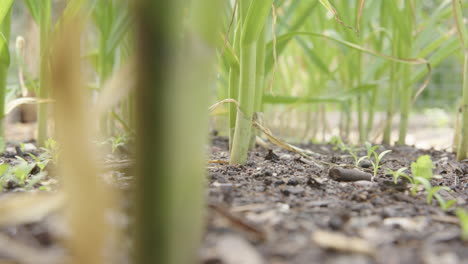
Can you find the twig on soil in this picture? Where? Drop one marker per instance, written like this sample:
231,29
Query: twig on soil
348,175
340,242
27,207
446,219
256,233
116,165
234,249
29,255
304,153
218,161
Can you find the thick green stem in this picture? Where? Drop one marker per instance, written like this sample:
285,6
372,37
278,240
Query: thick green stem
42,112
260,80
234,86
463,142
172,100
390,105
405,106
240,144
405,47
392,89
5,30
371,114
362,136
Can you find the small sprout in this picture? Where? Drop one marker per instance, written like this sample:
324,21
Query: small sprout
423,167
51,151
41,162
22,170
371,153
463,217
118,141
445,205
22,147
337,143
36,179
399,173
4,169
432,191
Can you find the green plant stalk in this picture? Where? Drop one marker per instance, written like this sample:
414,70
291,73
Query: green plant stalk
260,79
405,105
463,218
362,130
378,44
5,29
390,104
42,112
260,71
240,144
256,13
234,85
106,63
371,114
171,101
463,141
405,45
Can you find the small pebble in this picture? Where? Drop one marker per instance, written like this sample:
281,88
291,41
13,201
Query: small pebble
365,164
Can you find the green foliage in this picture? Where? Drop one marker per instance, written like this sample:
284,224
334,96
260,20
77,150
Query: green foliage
340,145
254,23
400,173
422,174
463,218
422,167
372,154
21,171
116,142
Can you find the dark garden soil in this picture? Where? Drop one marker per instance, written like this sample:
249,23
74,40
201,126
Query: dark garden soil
281,208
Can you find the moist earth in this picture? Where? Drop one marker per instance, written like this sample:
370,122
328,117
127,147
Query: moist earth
280,208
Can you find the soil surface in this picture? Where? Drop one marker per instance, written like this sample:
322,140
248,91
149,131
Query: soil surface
278,208
281,208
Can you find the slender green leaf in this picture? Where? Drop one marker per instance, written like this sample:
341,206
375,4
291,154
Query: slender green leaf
255,20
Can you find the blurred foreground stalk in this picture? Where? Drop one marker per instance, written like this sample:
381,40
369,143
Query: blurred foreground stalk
462,148
172,102
87,198
5,23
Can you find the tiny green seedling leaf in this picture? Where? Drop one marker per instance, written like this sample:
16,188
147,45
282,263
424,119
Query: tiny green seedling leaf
433,190
381,155
396,174
22,170
445,205
36,179
360,159
463,217
423,167
3,169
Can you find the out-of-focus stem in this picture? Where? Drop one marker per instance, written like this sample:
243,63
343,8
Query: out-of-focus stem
171,108
5,29
42,112
463,142
87,196
234,85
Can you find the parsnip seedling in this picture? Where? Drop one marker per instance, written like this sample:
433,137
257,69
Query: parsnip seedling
463,218
371,153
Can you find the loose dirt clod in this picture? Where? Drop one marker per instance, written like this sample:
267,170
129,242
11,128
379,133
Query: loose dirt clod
348,175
